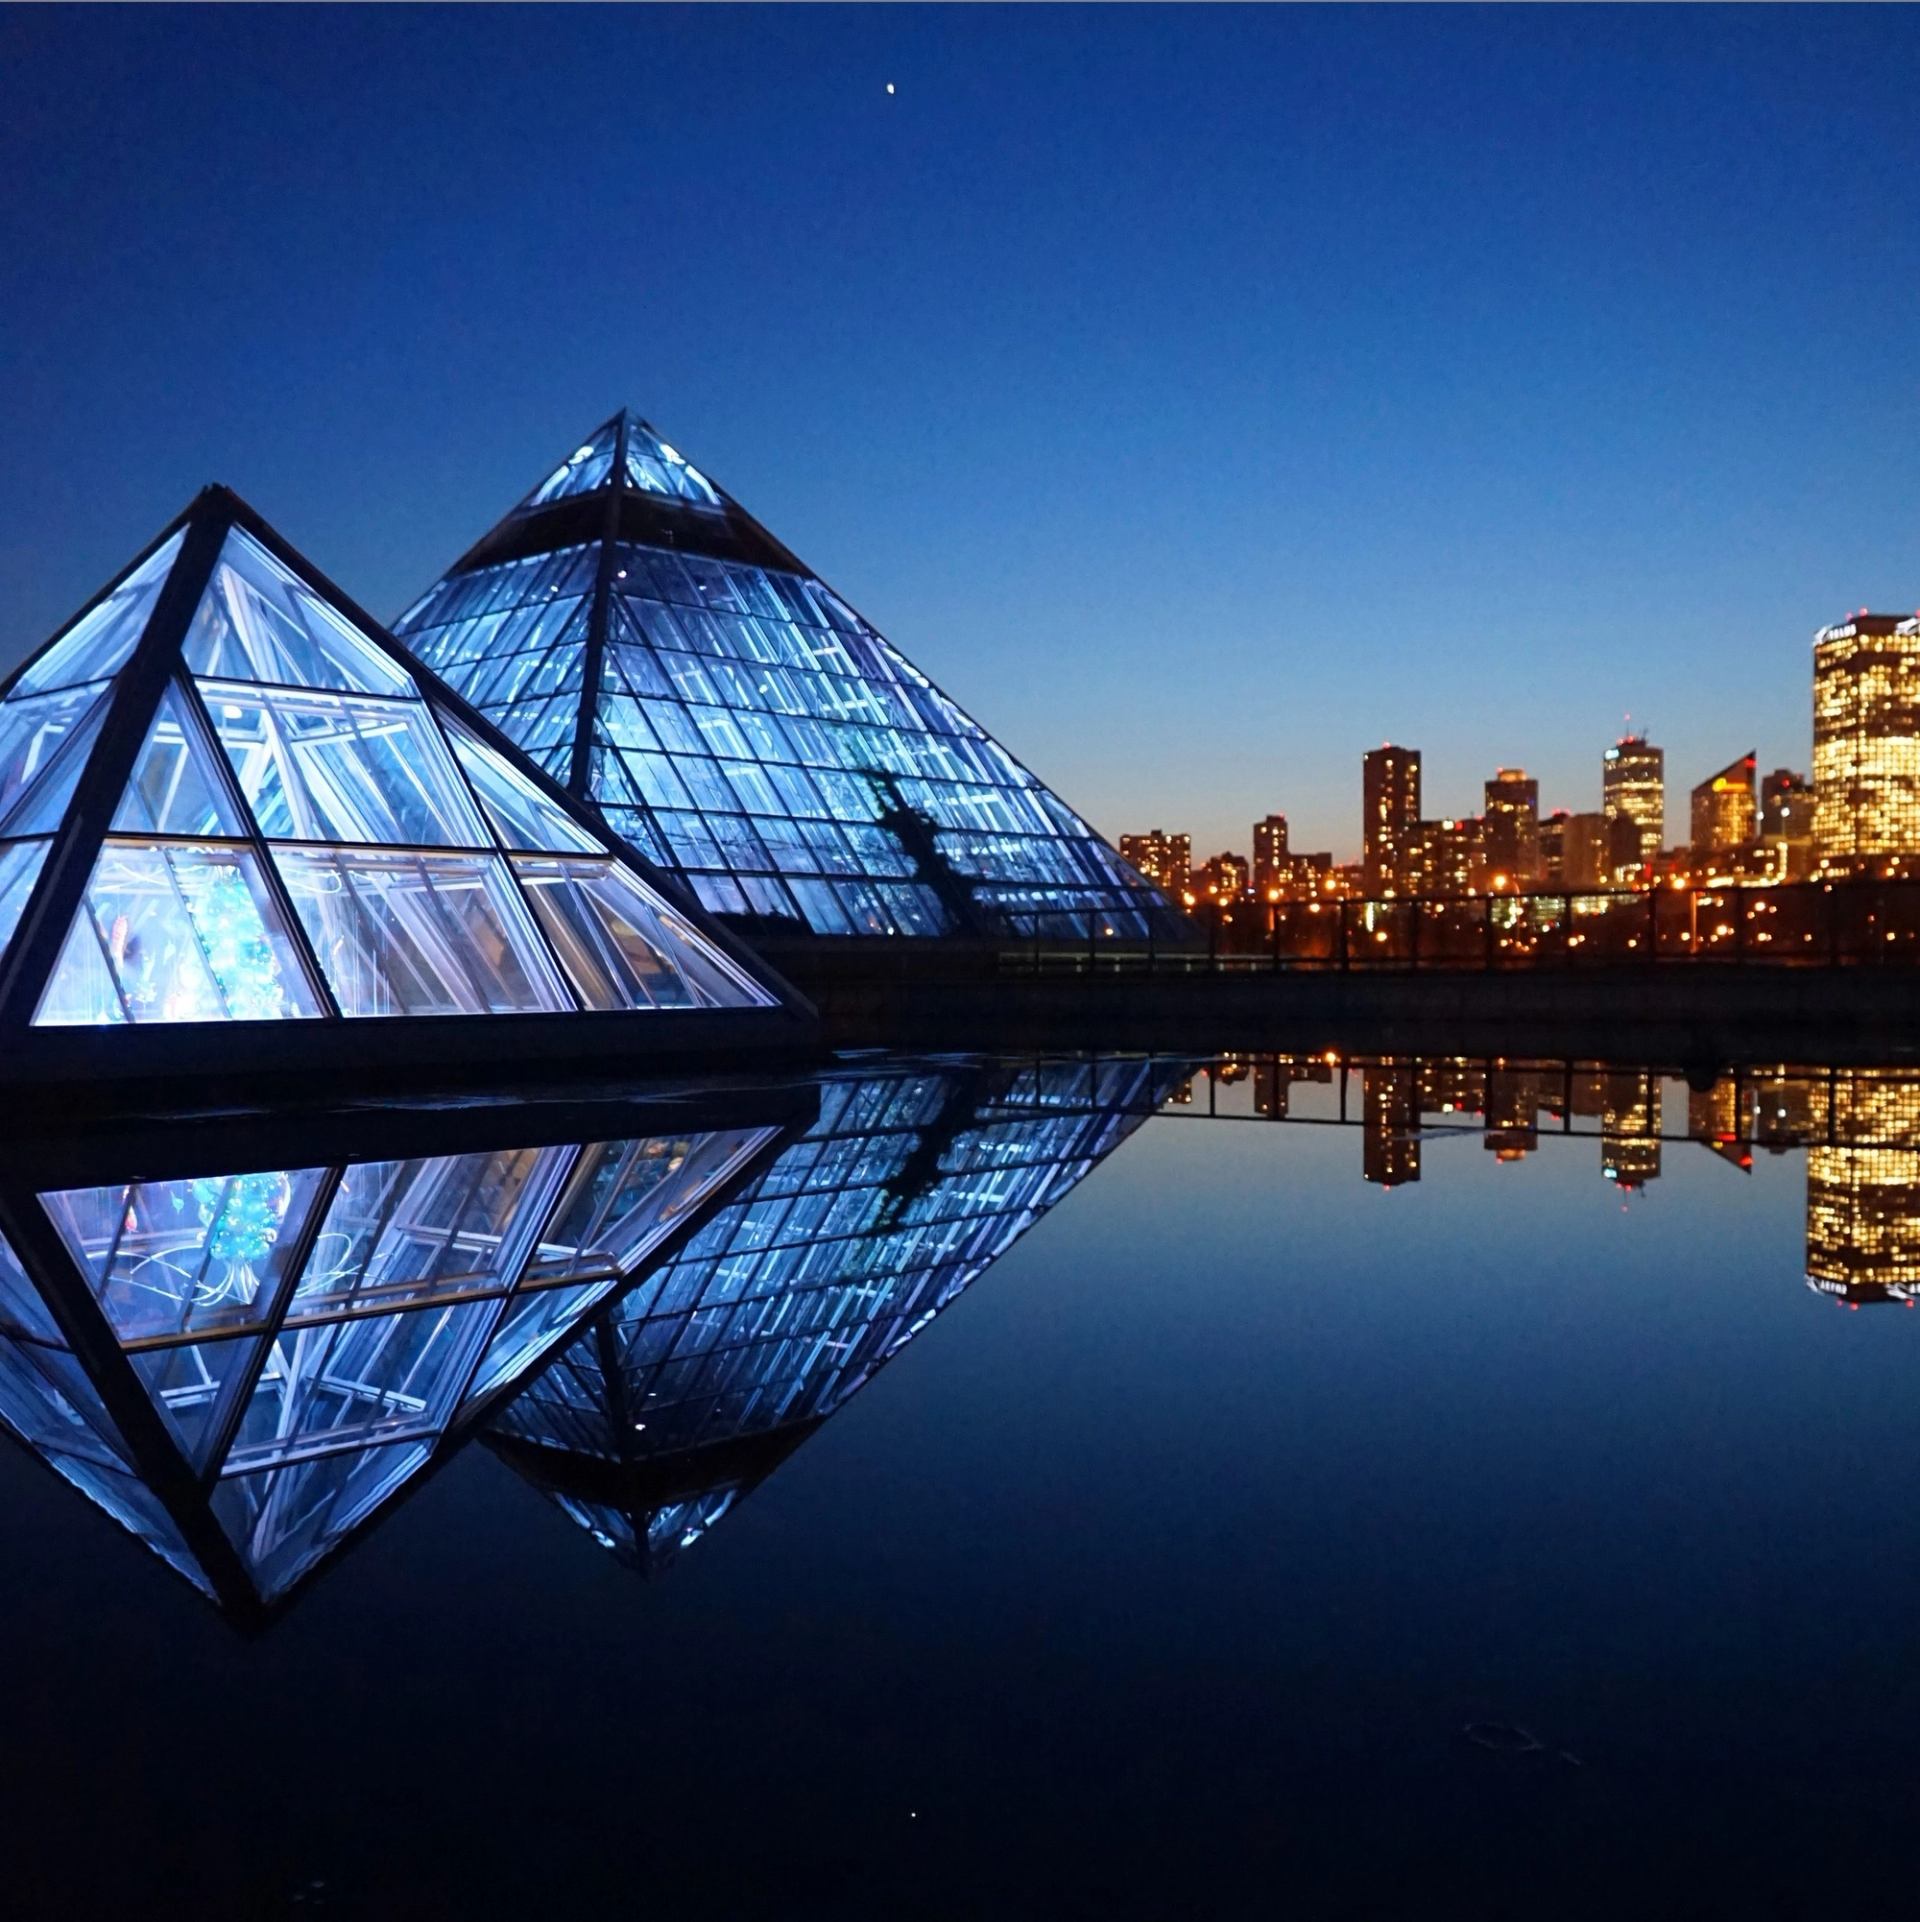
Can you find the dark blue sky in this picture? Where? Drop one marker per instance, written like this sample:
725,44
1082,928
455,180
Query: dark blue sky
1201,396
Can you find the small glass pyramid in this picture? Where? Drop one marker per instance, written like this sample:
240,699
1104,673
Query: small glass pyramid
299,827
644,639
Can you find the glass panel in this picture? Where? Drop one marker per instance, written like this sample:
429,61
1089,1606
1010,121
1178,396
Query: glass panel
50,1404
344,1384
204,1256
522,816
258,622
420,933
176,933
177,786
534,1323
98,643
20,865
656,468
191,1385
623,947
284,1520
401,1232
322,767
36,779
627,1196
581,472
21,1308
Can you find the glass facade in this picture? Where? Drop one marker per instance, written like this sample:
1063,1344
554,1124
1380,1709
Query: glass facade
816,1273
739,723
310,1337
305,835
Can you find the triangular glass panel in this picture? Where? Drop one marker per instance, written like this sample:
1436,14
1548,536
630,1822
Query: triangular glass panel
533,1324
20,865
193,1384
21,1309
586,468
45,740
521,815
171,932
284,1520
178,786
97,645
656,468
258,621
50,1404
202,1256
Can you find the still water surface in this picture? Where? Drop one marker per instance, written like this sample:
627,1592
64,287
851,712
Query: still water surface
1245,1437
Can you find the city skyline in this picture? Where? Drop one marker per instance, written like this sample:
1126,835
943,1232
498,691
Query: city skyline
1445,436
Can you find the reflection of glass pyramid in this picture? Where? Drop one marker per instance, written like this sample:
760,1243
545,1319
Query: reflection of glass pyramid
224,796
686,1393
649,643
243,1367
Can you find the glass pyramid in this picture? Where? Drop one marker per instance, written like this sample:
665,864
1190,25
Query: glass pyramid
676,1400
647,642
285,1349
297,827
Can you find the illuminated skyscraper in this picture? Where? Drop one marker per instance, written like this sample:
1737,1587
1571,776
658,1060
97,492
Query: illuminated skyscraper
1634,801
1512,831
1630,1128
1165,859
1724,809
1390,803
1863,1195
1270,856
1866,742
1390,1121
1446,857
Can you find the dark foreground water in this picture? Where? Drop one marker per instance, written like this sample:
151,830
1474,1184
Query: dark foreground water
1469,1508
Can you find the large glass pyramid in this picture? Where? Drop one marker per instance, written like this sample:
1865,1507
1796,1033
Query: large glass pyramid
244,1367
226,796
645,640
678,1399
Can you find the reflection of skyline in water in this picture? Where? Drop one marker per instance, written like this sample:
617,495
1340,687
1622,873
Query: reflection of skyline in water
246,1369
1860,1128
693,1386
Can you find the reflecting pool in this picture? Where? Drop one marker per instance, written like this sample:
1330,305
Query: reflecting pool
1362,1485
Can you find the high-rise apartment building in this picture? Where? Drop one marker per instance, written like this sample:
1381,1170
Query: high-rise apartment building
1863,1190
1866,742
1447,857
1269,852
1390,1122
1724,808
1512,831
1390,804
1573,852
1224,878
1633,784
1164,859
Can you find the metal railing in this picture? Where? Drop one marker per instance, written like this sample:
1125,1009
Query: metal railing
1801,924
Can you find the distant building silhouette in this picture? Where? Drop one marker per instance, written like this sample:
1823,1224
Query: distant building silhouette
1725,809
1513,829
1390,1122
1786,821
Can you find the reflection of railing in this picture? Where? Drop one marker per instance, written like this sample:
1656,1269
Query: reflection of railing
1802,924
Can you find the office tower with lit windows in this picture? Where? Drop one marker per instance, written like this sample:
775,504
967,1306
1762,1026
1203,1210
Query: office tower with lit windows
1390,1125
1513,830
1630,1128
1866,743
1165,859
1270,855
1863,1190
1390,804
1633,781
1724,808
